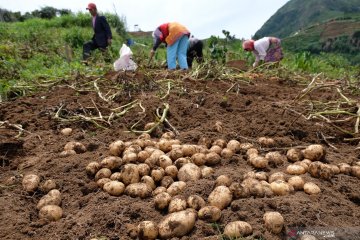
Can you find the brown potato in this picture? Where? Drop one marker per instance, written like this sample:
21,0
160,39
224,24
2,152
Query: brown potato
176,188
181,162
233,145
78,147
147,230
293,169
344,168
166,181
141,190
52,198
209,214
219,142
159,190
188,150
261,176
259,162
266,141
66,131
51,212
314,169
275,158
215,149
297,182
239,191
212,158
142,156
207,172
130,157
143,169
103,173
220,197
48,185
30,182
226,153
177,204
189,172
67,153
311,188
149,181
92,168
355,171
111,162
157,174
315,152
114,188
177,224
246,146
164,145
130,174
168,135
223,180
162,200
198,159
165,161
274,222
237,229
176,153
171,171
101,182
116,176
280,188
294,155
116,148
195,202
276,176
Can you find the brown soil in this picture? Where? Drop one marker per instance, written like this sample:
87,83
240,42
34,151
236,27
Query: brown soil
246,111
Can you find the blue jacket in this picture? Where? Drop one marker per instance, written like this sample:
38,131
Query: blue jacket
102,32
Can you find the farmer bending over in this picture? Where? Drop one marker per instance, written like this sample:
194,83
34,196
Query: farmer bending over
176,38
267,49
102,33
195,51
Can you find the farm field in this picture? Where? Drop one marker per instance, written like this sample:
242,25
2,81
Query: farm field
200,111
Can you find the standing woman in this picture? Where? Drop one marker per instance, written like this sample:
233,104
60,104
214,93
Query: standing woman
266,49
176,38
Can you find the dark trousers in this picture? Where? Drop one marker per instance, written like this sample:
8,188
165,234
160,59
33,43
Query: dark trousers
90,46
195,52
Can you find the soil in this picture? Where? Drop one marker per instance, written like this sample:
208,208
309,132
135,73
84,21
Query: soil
245,111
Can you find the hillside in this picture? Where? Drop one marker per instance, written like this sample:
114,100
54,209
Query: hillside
298,14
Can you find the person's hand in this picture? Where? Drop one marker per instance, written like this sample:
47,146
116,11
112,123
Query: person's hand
255,64
109,41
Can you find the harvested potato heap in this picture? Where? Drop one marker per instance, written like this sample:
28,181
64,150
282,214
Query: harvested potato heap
49,205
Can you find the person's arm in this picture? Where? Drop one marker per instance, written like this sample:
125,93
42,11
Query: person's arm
107,29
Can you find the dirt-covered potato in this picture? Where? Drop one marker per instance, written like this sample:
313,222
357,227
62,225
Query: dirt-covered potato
142,156
311,188
280,188
261,176
237,229
141,190
294,155
294,169
48,185
297,182
195,202
176,153
219,142
266,188
159,190
227,153
303,164
188,150
207,172
111,162
189,172
212,158
130,157
162,200
233,145
274,222
78,147
164,145
171,171
177,204
215,149
239,191
165,161
176,188
168,135
157,174
275,158
259,162
52,198
103,173
223,180
143,169
116,148
181,162
314,169
314,152
149,181
147,230
101,182
130,174
335,169
355,171
30,182
116,176
266,141
92,168
177,224
114,188
209,214
166,181
220,197
198,159
51,213
66,131
251,152
245,146
344,168
67,153
276,176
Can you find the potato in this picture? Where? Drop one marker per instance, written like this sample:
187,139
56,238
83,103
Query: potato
141,190
176,188
103,173
237,229
198,159
219,142
215,149
249,182
207,172
171,171
239,191
130,157
280,188
177,224
344,168
30,182
147,230
164,145
140,143
148,181
165,161
66,131
267,189
311,188
162,200
101,182
220,197
116,148
114,188
92,168
275,158
252,152
130,174
116,176
151,149
227,153
212,158
51,212
295,169
195,202
189,172
303,164
176,153
181,162
274,222
246,146
326,172
157,174
209,214
297,182
111,162
261,176
52,198
67,153
259,162
188,150
48,185
166,181
143,169
294,155
78,147
159,190
233,145
335,169
257,190
168,135
276,176
355,171
266,141
315,152
223,180
314,169
202,149
134,148
250,174
177,204
142,156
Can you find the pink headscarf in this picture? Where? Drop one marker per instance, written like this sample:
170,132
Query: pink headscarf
248,45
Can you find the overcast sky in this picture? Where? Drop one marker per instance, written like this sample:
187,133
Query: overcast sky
202,17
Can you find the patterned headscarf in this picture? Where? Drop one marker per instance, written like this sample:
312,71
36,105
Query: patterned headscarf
248,45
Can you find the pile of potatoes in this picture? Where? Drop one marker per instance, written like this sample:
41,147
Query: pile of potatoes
49,205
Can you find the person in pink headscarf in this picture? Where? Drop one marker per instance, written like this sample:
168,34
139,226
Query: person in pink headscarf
267,49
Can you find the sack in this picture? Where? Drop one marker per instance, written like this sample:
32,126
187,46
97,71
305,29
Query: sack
125,62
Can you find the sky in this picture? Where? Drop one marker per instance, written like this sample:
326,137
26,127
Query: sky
203,18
